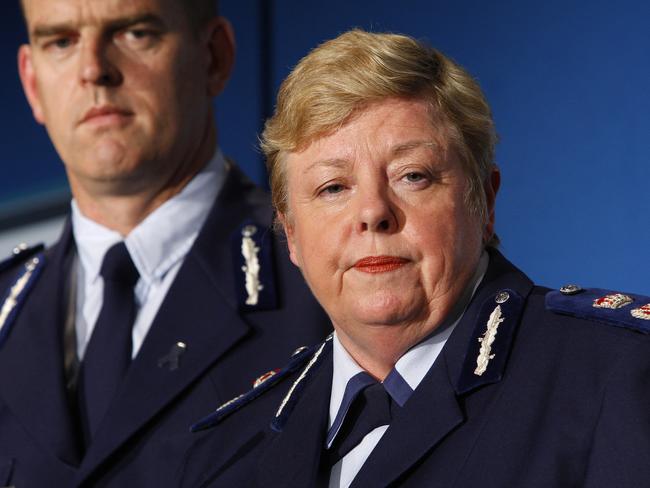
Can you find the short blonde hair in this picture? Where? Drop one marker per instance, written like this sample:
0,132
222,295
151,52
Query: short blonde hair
343,75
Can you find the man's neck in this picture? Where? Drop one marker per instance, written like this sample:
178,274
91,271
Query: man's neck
123,213
120,208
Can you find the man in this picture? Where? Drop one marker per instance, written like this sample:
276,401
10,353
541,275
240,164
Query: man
448,367
166,293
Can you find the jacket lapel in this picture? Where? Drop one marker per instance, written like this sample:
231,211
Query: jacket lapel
33,382
440,403
429,415
200,310
292,457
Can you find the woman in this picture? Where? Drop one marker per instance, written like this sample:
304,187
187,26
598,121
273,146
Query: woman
447,366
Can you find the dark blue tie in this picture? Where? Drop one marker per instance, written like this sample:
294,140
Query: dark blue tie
372,407
108,354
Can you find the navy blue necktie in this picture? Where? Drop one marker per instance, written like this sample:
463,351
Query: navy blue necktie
372,408
108,354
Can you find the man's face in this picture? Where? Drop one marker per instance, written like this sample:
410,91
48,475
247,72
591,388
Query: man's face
123,87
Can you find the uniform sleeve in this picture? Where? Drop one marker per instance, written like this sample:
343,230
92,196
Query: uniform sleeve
620,450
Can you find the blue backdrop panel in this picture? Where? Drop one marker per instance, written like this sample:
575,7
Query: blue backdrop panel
29,163
568,84
567,81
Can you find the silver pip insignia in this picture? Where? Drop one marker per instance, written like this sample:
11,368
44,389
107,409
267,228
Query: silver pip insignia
252,267
486,341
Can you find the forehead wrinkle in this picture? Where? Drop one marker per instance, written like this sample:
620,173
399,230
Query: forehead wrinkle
45,30
75,14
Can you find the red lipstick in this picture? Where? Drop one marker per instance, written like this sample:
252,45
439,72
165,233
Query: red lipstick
379,264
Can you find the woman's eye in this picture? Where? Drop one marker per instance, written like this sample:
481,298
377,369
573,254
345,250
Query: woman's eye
414,177
332,189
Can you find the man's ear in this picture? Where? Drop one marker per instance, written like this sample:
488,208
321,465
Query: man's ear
491,188
28,80
221,48
291,243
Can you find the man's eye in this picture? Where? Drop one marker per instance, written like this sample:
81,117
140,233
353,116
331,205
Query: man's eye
137,38
60,43
139,33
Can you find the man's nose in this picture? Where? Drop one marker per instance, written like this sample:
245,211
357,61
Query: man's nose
375,210
96,65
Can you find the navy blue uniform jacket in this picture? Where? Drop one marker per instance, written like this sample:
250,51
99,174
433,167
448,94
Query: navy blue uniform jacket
146,431
564,402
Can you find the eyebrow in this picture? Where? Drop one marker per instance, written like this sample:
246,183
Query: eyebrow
49,30
334,163
411,145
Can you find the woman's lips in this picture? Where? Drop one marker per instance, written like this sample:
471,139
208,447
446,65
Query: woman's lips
379,264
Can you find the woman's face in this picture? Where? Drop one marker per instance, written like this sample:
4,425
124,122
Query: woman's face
377,221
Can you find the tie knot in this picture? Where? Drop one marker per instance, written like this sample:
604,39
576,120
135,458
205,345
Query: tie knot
118,266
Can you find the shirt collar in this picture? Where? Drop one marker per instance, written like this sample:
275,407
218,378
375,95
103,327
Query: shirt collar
414,364
164,237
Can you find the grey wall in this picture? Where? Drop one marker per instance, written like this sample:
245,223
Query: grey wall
568,83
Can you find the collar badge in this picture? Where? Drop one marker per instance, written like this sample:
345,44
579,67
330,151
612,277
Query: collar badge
485,353
252,267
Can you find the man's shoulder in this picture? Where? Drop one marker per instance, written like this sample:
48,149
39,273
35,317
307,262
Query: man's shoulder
18,274
19,254
248,421
303,363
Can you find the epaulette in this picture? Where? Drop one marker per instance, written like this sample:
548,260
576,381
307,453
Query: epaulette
627,310
303,355
20,253
20,286
254,267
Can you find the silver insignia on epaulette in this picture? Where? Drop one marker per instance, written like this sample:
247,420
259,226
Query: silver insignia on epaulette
613,301
230,402
642,313
20,248
298,351
252,267
485,353
302,376
15,291
570,289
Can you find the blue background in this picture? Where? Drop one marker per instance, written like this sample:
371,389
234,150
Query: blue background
568,82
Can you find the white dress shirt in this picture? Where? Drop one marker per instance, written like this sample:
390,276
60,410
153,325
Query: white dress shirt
412,367
158,246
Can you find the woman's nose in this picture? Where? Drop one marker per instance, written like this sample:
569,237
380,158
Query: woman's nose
375,211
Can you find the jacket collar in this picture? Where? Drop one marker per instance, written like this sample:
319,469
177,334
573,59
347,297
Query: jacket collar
434,410
208,332
35,392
